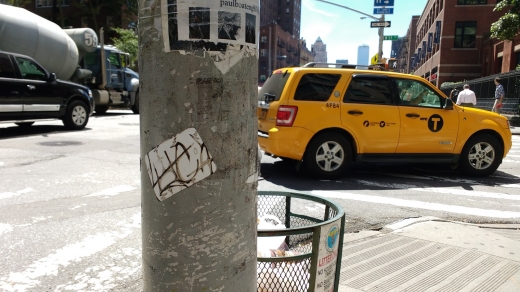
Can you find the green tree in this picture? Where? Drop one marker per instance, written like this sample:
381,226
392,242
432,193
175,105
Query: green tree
113,8
17,3
127,42
507,26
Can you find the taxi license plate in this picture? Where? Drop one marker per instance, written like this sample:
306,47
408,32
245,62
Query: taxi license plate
263,114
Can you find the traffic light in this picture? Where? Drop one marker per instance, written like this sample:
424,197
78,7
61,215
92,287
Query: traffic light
393,64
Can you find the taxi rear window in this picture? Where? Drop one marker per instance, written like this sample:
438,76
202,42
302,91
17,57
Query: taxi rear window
273,86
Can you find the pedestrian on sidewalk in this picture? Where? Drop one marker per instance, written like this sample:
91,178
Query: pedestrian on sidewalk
499,96
467,97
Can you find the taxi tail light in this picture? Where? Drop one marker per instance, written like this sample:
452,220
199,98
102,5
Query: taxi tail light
286,115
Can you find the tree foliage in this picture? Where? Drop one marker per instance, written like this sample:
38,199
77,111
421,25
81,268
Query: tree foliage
127,42
113,8
17,3
507,26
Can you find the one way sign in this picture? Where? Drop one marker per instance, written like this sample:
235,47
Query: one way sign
380,24
378,3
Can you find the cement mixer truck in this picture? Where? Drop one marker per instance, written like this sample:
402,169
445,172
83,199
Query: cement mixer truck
73,55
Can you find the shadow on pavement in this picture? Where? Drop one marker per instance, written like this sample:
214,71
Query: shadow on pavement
381,176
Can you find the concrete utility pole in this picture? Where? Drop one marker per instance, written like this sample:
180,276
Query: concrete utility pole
199,165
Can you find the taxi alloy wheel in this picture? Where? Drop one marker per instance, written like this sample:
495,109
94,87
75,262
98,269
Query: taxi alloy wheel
328,155
481,155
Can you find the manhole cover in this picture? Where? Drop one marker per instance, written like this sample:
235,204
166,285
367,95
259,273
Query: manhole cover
61,143
129,124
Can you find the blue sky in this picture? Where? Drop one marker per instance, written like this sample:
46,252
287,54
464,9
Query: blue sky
343,31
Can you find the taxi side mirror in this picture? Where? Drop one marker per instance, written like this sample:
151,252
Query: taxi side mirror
449,104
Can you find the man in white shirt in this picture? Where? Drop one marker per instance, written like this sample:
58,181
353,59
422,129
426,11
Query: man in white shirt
467,97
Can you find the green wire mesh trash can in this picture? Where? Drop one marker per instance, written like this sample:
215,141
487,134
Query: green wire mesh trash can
312,233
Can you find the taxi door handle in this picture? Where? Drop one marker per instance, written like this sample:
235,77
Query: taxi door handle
355,113
413,115
31,87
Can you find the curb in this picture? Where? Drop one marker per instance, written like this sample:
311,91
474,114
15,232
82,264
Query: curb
411,221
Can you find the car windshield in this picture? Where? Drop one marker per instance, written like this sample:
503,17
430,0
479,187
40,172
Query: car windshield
273,86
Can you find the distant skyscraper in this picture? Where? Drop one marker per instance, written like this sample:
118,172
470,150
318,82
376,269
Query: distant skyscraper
362,55
320,51
341,61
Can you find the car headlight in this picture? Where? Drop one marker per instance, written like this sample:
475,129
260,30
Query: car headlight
90,93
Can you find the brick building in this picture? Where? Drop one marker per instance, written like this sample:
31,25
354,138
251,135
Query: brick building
280,43
405,51
450,39
278,49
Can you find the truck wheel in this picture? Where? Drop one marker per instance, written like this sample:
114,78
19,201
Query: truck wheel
101,109
135,107
327,156
24,125
481,155
76,115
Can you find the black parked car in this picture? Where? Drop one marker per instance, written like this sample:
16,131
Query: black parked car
29,93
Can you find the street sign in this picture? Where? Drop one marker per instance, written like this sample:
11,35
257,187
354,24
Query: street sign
380,23
383,3
391,37
384,10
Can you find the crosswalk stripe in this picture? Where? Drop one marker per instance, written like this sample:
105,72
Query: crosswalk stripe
418,204
509,160
75,252
450,191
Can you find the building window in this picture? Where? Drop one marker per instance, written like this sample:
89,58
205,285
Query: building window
263,39
263,53
287,10
262,77
465,34
471,2
48,3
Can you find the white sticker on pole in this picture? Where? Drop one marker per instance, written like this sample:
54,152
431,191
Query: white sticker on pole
327,257
209,25
178,163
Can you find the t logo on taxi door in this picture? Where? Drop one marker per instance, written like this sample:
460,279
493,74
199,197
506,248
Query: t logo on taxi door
435,123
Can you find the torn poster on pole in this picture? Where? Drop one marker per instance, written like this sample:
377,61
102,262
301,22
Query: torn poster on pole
178,163
209,25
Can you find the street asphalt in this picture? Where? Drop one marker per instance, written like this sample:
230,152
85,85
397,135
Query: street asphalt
430,254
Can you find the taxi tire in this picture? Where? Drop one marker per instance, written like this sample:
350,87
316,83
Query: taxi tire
311,164
464,162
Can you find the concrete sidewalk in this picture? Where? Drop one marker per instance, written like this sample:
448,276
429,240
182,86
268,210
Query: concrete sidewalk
430,254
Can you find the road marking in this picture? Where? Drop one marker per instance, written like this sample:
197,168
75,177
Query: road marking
112,191
450,191
61,258
418,204
4,228
509,160
77,207
509,155
17,193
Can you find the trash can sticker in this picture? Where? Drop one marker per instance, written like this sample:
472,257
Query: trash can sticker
327,257
178,163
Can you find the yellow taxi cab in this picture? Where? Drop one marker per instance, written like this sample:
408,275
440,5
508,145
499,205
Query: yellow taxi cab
327,118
